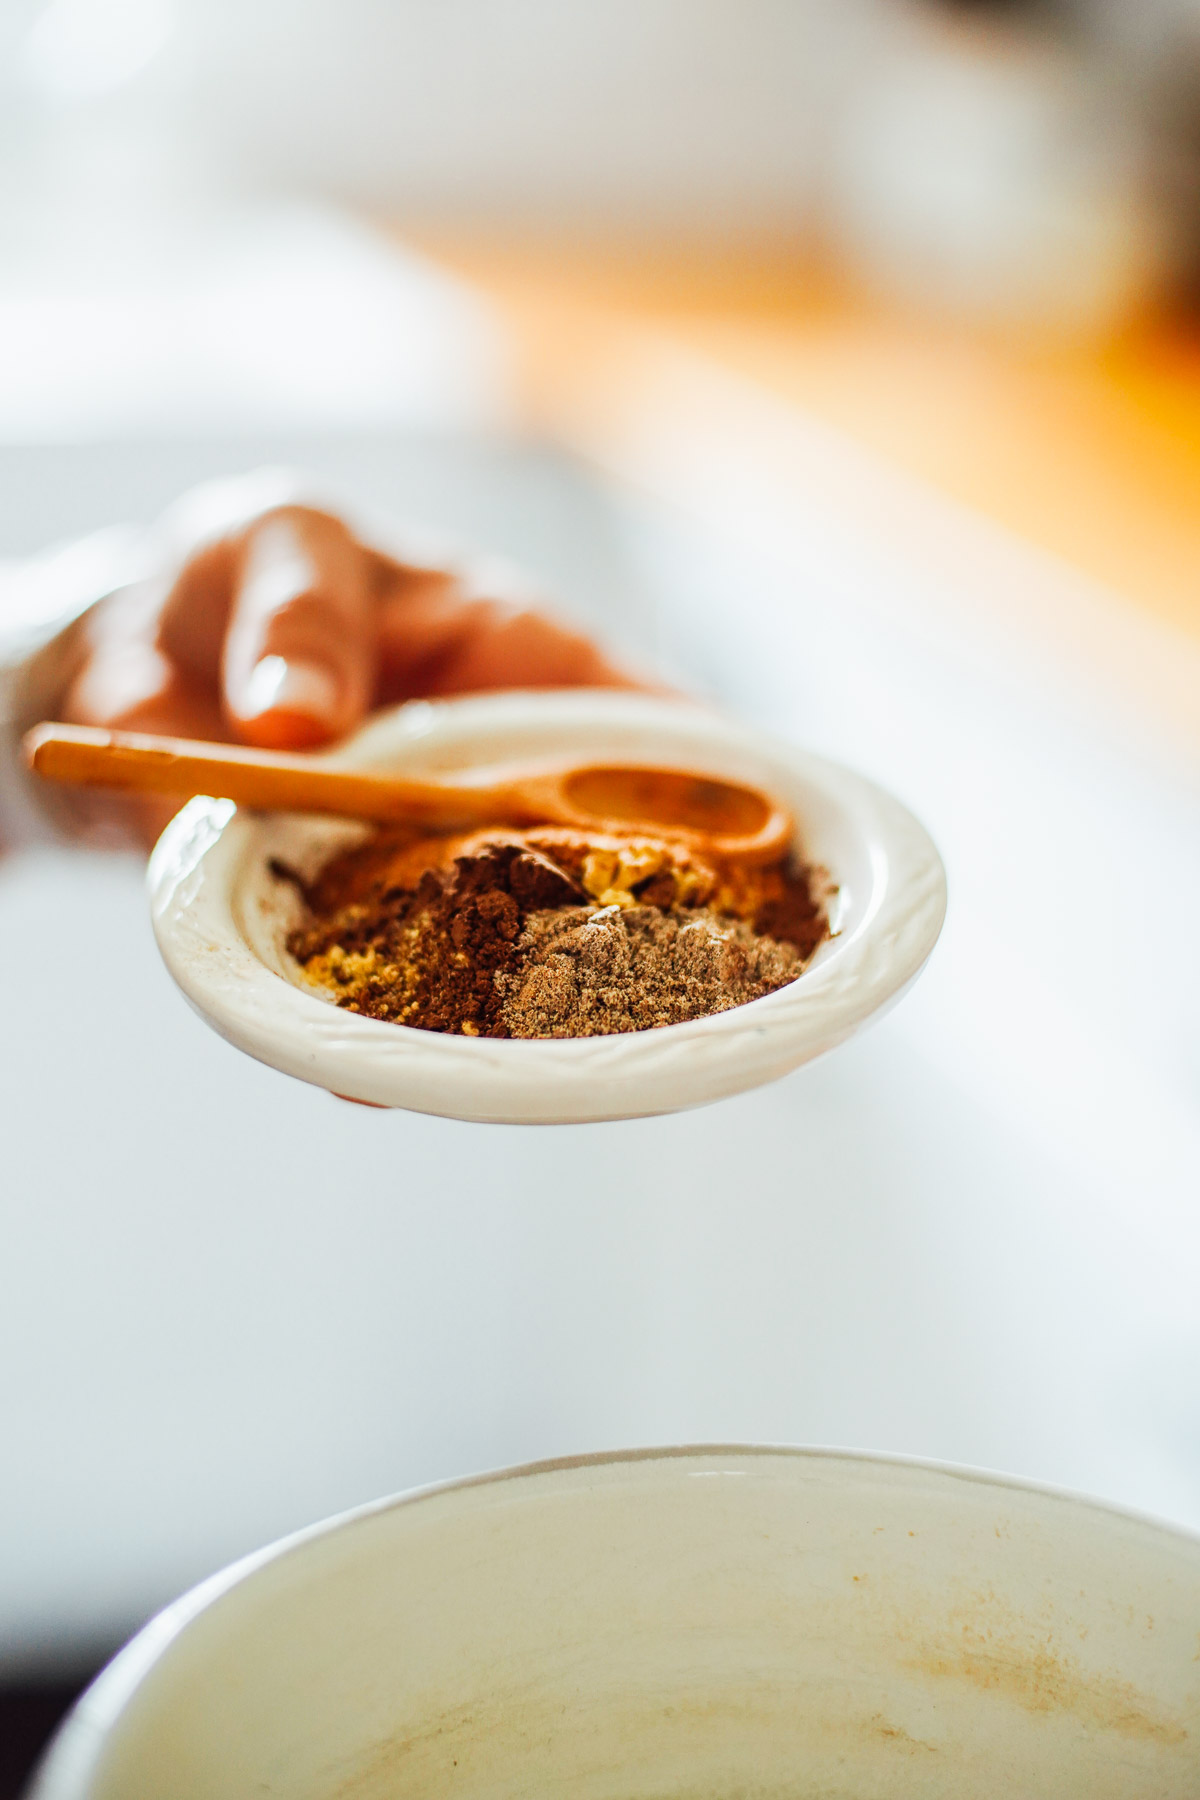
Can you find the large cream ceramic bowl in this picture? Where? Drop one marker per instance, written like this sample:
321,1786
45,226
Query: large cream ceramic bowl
697,1624
222,922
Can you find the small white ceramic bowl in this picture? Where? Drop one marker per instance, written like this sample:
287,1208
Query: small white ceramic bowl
222,922
672,1625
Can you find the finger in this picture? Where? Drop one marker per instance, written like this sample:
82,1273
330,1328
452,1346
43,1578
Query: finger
127,683
300,650
203,537
195,610
434,639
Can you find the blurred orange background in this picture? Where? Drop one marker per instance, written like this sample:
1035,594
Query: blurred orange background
1090,450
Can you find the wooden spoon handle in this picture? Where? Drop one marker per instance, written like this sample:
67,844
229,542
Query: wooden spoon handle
588,798
268,779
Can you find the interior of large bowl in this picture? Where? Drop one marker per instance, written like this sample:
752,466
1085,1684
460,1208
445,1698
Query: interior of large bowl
694,1624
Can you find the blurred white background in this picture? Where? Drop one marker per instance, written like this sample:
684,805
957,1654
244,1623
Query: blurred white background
670,113
229,1305
168,257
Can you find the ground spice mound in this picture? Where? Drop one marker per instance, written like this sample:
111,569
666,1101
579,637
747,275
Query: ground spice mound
549,933
585,972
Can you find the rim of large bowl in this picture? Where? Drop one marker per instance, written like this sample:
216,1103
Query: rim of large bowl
75,1751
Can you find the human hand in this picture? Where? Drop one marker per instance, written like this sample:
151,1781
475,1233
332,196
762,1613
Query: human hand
273,624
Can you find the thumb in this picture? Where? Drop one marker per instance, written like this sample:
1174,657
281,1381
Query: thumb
299,661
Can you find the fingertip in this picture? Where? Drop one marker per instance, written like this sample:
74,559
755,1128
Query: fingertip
289,705
281,730
119,682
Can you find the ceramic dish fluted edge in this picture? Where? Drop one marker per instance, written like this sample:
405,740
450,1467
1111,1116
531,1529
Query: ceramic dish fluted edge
221,920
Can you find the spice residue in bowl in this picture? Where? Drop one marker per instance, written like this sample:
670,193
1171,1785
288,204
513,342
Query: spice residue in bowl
548,933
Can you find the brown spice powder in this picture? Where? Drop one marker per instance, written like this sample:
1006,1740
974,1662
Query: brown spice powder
582,972
548,934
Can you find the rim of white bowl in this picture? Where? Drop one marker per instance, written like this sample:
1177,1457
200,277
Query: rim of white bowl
199,864
75,1751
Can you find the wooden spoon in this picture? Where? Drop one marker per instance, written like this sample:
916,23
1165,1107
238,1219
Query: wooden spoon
741,823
